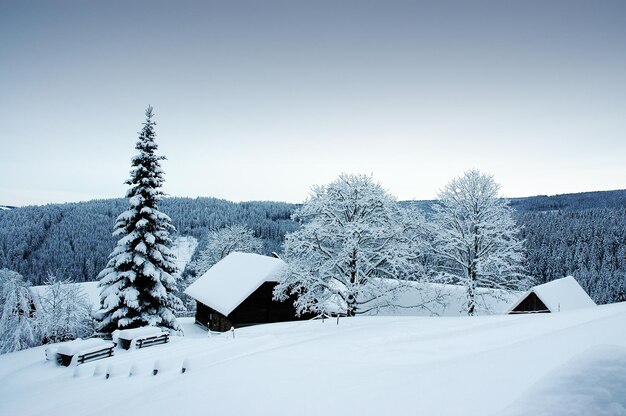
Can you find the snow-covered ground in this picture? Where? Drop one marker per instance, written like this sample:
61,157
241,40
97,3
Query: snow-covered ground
567,363
442,300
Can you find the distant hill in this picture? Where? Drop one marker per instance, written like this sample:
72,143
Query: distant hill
570,202
74,240
580,234
563,202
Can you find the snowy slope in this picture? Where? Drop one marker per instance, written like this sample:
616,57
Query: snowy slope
487,365
441,300
183,248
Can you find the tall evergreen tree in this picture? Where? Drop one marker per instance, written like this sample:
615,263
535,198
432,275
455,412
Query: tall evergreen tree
139,281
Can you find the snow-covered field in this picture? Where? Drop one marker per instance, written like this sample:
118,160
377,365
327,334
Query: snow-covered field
568,363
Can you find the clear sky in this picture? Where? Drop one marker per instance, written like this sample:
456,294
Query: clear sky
262,99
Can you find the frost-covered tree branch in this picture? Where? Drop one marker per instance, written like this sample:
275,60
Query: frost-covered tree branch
476,238
224,241
64,311
18,326
354,240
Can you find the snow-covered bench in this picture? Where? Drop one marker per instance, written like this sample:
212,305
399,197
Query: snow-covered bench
142,337
81,351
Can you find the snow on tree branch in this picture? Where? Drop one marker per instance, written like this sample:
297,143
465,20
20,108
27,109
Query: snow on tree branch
140,278
354,238
476,238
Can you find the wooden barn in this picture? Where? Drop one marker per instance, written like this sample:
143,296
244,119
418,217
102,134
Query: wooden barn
237,291
556,296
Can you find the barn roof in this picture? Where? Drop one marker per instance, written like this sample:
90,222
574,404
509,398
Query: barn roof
231,280
89,289
560,295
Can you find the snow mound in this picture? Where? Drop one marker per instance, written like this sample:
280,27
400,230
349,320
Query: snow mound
592,383
134,333
83,346
436,299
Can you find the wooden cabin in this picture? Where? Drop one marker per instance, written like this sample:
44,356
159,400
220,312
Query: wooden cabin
238,291
556,296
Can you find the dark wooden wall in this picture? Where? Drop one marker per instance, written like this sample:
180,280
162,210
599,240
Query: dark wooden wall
211,319
532,304
258,308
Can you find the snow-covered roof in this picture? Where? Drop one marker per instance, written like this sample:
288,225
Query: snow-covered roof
560,295
90,289
231,280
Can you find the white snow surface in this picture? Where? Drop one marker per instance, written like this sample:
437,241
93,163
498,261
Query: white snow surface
591,383
90,289
183,248
144,331
563,294
83,346
453,300
568,363
231,280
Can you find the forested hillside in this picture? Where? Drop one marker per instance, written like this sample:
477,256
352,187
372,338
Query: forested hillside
580,234
74,240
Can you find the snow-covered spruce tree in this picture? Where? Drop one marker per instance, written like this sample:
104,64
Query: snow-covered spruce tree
18,326
64,312
222,242
139,281
354,244
476,238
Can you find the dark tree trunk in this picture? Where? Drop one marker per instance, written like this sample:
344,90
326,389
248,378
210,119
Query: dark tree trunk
351,298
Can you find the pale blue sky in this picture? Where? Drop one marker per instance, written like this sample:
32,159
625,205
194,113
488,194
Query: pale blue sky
261,100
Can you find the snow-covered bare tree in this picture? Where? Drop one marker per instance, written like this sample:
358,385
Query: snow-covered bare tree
222,242
139,281
355,243
476,237
18,326
64,312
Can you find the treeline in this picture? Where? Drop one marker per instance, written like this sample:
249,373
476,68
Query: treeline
74,240
579,234
589,244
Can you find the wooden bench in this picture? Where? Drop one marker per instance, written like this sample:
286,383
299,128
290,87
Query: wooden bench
154,340
142,337
77,354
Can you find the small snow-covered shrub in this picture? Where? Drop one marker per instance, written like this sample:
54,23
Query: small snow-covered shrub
64,312
18,326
